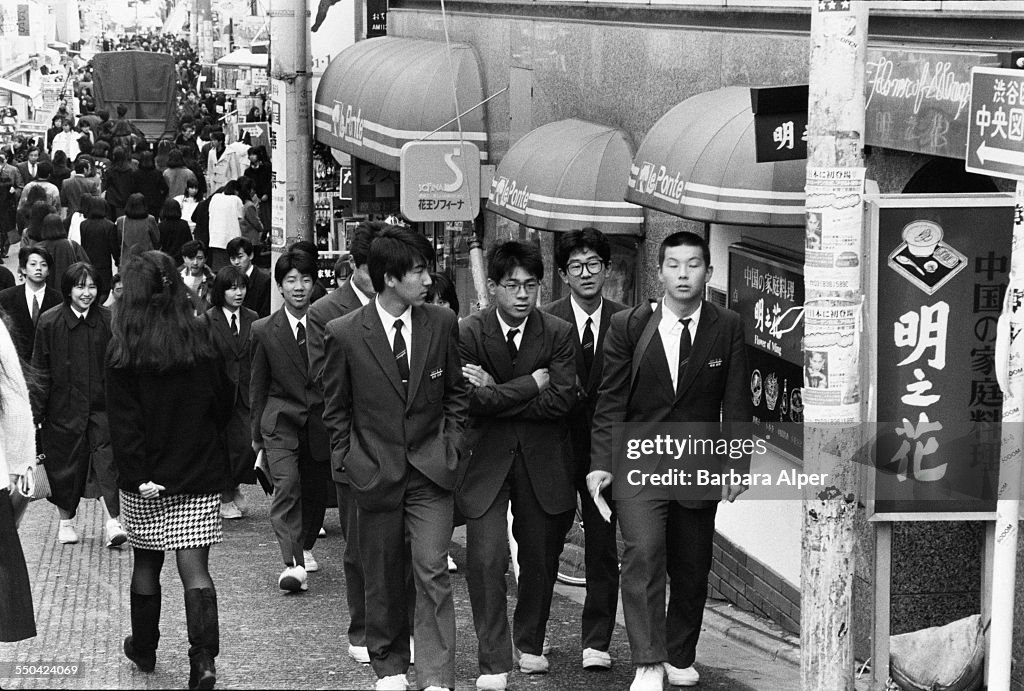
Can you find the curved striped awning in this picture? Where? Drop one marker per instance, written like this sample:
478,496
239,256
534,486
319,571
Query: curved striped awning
381,93
567,175
699,162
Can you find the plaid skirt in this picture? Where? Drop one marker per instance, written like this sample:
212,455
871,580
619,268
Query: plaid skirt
176,521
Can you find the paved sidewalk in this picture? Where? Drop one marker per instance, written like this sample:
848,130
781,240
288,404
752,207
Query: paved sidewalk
277,641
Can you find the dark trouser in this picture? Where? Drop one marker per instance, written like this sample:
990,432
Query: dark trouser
297,509
602,562
663,537
355,586
540,536
425,515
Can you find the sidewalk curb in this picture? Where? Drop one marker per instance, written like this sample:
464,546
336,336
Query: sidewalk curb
727,620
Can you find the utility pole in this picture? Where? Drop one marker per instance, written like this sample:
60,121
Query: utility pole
832,428
291,127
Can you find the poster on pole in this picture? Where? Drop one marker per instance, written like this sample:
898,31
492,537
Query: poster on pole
830,360
279,165
940,271
833,228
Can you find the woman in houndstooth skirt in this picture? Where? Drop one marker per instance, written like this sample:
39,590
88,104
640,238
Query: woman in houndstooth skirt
167,398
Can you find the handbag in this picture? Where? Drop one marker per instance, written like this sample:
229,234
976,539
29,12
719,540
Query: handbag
34,483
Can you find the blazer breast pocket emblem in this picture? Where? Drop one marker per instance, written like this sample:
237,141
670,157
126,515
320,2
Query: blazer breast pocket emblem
434,374
717,362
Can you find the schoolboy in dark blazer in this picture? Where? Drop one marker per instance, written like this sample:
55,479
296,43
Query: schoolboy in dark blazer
286,414
34,265
583,257
521,366
395,403
682,362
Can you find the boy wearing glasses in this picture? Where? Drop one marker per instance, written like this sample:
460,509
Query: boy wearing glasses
520,365
582,257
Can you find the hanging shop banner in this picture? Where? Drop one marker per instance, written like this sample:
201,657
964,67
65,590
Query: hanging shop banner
830,363
767,291
833,227
917,100
278,165
440,181
940,275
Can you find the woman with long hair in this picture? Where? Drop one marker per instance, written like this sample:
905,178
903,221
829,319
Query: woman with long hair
17,450
117,181
53,237
177,175
150,183
68,357
137,230
168,399
100,242
174,232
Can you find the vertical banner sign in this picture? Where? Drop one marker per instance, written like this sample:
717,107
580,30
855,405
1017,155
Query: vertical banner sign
942,271
767,292
834,219
24,26
279,165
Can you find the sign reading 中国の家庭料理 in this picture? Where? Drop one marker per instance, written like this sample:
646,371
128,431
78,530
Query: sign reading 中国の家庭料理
995,137
942,268
767,291
918,100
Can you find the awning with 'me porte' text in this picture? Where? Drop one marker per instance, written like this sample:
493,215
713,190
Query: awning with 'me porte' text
383,92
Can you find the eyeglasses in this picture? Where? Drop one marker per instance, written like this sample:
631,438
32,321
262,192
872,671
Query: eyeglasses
576,268
514,287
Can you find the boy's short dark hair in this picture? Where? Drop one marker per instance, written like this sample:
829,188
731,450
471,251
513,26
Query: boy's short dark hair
503,259
578,240
239,243
25,252
75,275
225,279
395,251
681,238
362,237
297,259
192,248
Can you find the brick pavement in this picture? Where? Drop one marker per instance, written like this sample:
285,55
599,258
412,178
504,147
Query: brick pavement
277,641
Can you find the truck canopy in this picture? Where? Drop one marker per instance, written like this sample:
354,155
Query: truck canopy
144,82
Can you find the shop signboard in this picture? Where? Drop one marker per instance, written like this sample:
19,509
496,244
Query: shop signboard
440,181
939,278
767,291
375,190
918,100
780,122
24,25
258,132
995,138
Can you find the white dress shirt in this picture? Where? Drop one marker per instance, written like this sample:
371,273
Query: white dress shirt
671,330
388,320
582,317
505,328
30,296
293,323
363,298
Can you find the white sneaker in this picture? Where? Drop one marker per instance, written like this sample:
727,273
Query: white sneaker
452,566
293,579
533,664
115,533
322,533
682,677
545,648
596,659
359,653
435,687
230,510
311,563
648,678
240,500
492,682
66,534
498,682
396,682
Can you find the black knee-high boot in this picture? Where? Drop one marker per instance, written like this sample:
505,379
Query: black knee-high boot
140,647
203,636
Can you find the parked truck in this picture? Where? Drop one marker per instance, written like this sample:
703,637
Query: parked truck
146,83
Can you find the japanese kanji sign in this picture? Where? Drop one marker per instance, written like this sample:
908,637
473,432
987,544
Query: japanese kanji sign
440,181
995,135
942,267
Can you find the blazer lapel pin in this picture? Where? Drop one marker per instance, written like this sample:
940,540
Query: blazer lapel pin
717,362
434,374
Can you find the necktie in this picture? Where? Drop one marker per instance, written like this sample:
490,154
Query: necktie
513,351
588,344
300,338
685,346
234,324
35,309
400,353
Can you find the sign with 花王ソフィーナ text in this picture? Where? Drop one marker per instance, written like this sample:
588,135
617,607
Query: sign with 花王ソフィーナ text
942,267
995,136
440,181
918,100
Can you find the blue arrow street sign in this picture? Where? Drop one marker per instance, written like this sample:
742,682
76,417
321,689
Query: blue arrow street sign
995,133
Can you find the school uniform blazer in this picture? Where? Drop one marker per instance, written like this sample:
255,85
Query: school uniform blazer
321,313
257,295
379,430
512,416
13,302
581,415
234,350
284,401
714,386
